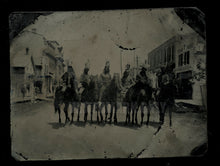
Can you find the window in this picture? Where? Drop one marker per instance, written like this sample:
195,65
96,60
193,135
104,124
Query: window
180,60
184,58
172,53
154,60
157,58
165,56
168,54
160,56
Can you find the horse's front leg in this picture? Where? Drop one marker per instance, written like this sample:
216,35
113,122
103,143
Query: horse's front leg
136,112
126,117
133,110
85,112
79,107
59,114
97,110
100,111
115,114
66,112
72,114
148,113
142,113
106,112
92,106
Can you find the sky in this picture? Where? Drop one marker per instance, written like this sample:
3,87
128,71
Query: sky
94,35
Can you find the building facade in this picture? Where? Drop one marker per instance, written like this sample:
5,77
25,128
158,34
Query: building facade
188,53
44,57
162,55
22,77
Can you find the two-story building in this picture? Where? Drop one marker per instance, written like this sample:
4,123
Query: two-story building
22,77
188,53
47,60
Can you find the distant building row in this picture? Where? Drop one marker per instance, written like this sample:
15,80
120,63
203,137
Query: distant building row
188,53
36,66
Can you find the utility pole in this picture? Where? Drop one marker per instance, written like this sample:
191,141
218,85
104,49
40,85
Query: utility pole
121,60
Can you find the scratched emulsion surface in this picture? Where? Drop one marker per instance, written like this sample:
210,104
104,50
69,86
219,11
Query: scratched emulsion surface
97,37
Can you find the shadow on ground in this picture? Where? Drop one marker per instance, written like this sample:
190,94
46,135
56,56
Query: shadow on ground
57,125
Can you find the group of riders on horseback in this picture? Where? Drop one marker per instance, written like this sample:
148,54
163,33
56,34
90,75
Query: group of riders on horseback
99,91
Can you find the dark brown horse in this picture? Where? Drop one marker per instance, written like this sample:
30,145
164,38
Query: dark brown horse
110,94
90,97
137,96
66,94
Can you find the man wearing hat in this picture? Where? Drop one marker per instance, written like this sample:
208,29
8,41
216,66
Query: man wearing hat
127,79
105,79
85,78
142,77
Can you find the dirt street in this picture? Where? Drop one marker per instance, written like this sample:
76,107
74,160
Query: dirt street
37,135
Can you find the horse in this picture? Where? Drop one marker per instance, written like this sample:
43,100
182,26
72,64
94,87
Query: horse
115,90
66,94
138,95
58,100
104,91
89,96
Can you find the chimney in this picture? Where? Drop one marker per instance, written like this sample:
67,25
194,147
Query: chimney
27,51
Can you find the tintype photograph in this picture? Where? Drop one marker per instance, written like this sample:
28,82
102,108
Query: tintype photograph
106,84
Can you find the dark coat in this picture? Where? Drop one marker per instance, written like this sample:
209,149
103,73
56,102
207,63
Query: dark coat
167,93
70,93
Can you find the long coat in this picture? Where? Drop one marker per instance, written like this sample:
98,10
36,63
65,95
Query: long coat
104,82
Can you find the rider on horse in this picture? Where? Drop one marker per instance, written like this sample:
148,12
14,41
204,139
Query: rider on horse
84,80
127,79
142,81
85,96
105,79
70,95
